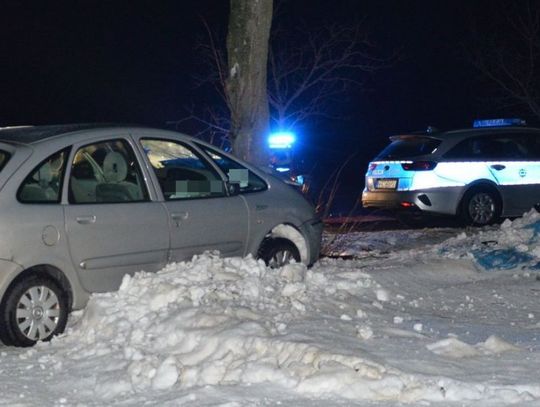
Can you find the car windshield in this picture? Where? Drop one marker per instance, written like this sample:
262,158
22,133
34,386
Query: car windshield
4,157
408,147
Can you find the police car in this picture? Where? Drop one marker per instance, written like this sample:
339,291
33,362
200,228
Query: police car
479,174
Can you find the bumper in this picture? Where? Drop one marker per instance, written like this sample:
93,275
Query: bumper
436,200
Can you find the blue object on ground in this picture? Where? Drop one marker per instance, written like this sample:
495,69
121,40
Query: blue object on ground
535,227
502,259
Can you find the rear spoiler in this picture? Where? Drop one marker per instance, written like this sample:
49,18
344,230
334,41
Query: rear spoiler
413,136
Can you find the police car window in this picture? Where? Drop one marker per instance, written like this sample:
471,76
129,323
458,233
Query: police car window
236,172
528,146
490,147
509,147
466,149
407,147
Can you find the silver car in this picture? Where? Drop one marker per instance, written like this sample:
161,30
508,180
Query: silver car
82,205
478,174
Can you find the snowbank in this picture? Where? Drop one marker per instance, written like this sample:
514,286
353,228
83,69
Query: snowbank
327,333
512,245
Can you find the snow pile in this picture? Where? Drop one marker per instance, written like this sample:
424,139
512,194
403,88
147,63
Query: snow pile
454,348
513,244
217,323
220,321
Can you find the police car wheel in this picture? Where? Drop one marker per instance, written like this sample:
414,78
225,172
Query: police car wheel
480,207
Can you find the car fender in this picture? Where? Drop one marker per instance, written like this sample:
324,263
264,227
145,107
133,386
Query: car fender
279,229
9,270
77,293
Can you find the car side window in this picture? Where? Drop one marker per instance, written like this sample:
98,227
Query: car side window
181,173
510,147
475,148
44,183
530,145
507,148
106,172
236,172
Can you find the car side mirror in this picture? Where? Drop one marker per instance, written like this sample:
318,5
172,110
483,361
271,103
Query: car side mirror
233,188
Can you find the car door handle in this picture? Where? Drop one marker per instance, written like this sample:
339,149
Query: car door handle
86,220
178,216
498,167
261,207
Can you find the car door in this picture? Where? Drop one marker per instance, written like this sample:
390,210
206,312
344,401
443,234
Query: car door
251,188
113,226
529,170
202,216
512,165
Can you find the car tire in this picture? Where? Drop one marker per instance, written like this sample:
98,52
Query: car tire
33,309
480,206
278,252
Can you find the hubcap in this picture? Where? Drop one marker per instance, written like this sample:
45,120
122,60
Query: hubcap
280,258
482,208
38,312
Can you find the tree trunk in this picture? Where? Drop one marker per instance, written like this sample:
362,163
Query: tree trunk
247,51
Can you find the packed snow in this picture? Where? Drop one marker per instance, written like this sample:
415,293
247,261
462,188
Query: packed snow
442,317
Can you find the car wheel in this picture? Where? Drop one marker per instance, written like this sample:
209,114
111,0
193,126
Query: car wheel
34,309
480,206
278,252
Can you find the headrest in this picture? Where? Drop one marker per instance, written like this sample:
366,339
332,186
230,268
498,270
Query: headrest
45,175
115,168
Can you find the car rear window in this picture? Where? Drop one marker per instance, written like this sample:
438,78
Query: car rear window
408,147
4,158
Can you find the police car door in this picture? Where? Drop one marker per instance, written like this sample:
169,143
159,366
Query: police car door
512,165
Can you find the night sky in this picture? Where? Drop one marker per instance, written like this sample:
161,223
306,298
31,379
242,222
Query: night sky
134,61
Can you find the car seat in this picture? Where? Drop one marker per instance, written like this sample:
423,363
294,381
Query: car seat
40,190
116,188
83,182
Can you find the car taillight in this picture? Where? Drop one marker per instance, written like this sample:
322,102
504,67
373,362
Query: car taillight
407,204
419,166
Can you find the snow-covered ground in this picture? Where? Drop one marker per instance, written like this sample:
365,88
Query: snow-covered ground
438,317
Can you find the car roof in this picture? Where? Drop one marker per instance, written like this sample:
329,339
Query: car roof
34,134
464,133
37,134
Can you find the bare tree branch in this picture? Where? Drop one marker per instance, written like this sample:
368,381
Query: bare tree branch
309,72
509,54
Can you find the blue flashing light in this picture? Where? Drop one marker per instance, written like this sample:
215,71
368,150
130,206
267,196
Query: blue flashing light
281,140
282,169
499,123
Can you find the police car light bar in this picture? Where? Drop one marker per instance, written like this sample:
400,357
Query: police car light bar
281,140
499,123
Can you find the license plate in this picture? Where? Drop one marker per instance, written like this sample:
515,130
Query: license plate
386,184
